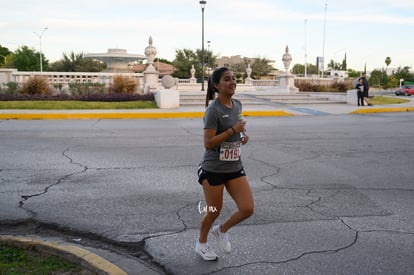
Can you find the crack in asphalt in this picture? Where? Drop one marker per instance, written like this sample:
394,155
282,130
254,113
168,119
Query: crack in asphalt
326,251
309,206
137,249
27,197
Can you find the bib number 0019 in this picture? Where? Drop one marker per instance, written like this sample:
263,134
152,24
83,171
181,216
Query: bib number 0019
230,151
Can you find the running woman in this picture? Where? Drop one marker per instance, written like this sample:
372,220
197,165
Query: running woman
221,167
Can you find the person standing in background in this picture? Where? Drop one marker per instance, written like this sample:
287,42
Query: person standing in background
360,92
366,88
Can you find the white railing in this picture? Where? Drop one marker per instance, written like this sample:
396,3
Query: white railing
72,77
265,82
106,78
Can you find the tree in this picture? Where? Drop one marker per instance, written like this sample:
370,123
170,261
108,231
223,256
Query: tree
334,65
4,52
379,78
91,65
184,60
163,60
260,67
352,73
209,60
344,66
73,62
387,61
27,59
239,69
299,69
404,73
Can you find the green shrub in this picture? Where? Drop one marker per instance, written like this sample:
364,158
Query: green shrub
82,89
58,86
9,88
335,87
37,85
124,84
12,87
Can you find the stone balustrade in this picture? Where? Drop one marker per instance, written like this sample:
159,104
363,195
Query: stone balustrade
12,75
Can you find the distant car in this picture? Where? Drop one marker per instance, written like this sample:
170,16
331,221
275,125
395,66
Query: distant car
399,92
406,90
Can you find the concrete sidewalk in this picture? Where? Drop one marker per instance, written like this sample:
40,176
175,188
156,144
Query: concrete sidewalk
198,111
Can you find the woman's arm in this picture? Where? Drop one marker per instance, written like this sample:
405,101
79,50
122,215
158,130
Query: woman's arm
212,140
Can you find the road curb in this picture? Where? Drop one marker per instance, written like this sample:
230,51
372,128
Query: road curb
71,253
138,115
383,110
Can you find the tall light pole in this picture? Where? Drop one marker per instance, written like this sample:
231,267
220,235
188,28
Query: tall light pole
306,54
208,60
40,47
202,4
324,31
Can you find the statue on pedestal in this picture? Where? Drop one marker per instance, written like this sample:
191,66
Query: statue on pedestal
150,52
192,71
248,80
286,80
287,59
150,73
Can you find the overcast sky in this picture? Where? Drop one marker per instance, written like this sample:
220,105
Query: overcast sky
366,30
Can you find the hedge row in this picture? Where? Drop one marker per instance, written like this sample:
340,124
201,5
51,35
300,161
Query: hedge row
110,97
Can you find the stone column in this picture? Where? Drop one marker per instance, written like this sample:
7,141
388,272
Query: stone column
150,74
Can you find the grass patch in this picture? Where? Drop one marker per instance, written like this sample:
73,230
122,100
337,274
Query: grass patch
75,105
19,261
383,100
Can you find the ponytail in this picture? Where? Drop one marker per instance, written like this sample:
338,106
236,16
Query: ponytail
211,90
214,79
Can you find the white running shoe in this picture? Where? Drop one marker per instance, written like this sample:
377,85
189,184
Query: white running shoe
222,238
205,251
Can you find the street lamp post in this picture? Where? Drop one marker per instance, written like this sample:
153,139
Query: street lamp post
306,54
324,31
208,60
40,47
202,4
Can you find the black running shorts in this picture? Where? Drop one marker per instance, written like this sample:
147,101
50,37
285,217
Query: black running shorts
216,179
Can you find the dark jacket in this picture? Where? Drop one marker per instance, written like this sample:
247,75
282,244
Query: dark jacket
365,83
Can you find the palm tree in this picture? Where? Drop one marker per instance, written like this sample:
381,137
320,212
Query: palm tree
388,61
72,62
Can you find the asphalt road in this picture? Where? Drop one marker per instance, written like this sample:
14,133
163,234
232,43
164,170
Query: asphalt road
333,193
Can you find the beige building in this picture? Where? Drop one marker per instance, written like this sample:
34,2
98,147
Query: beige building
228,61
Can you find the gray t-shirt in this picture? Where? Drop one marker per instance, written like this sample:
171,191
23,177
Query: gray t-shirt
221,118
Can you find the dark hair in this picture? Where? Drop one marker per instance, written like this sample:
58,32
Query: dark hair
214,79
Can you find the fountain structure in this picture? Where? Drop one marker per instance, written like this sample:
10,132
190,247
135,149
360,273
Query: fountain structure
117,60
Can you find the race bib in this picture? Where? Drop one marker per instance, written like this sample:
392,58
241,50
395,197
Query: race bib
230,151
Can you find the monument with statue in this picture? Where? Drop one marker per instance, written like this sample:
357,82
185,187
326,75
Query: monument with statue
286,79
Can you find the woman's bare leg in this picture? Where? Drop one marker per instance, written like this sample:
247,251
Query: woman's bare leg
239,190
214,199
